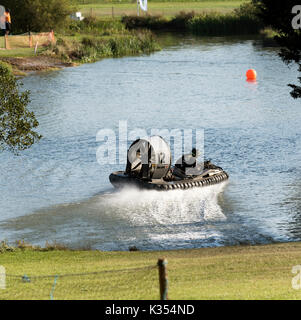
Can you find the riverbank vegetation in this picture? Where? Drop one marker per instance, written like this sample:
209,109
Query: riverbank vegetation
240,272
77,41
93,39
242,20
81,42
91,49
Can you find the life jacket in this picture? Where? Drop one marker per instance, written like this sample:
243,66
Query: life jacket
7,17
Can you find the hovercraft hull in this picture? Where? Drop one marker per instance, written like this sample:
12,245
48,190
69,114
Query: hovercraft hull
120,179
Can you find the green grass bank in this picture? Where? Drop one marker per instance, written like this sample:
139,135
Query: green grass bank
168,8
239,272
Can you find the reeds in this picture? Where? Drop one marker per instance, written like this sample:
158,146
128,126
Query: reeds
141,42
243,20
229,24
91,48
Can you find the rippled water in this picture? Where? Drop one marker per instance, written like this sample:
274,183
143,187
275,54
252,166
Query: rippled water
58,191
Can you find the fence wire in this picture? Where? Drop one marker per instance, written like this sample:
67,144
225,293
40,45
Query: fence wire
135,283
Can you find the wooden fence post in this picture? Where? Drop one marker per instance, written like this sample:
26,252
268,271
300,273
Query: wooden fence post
6,42
52,37
163,279
36,47
30,39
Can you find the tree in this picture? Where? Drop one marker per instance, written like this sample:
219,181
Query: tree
38,15
278,15
16,122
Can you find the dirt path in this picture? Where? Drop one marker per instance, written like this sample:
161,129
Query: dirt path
38,63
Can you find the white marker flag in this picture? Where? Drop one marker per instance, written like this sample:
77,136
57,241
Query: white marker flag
2,18
143,4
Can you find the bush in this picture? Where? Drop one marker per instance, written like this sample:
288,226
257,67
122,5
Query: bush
92,25
181,20
247,9
22,245
5,247
243,20
148,21
16,122
38,15
219,24
5,68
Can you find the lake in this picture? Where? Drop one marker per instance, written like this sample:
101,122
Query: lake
57,191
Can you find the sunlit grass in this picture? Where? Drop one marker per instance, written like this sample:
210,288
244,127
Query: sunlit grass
155,8
20,52
240,272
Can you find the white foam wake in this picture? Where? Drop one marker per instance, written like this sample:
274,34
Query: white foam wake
170,207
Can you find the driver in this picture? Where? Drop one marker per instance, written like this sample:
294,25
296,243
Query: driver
188,161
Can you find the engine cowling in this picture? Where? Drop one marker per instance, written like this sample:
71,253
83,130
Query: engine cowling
149,158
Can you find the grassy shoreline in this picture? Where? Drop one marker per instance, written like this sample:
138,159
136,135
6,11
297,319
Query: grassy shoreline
239,272
96,38
82,42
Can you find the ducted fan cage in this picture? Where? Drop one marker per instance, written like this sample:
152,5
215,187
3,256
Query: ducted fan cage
149,158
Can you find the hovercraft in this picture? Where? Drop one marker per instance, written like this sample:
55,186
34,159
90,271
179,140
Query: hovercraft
149,167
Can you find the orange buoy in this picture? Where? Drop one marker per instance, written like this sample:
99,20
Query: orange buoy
251,74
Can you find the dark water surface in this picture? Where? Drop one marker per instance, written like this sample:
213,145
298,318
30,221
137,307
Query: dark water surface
58,191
